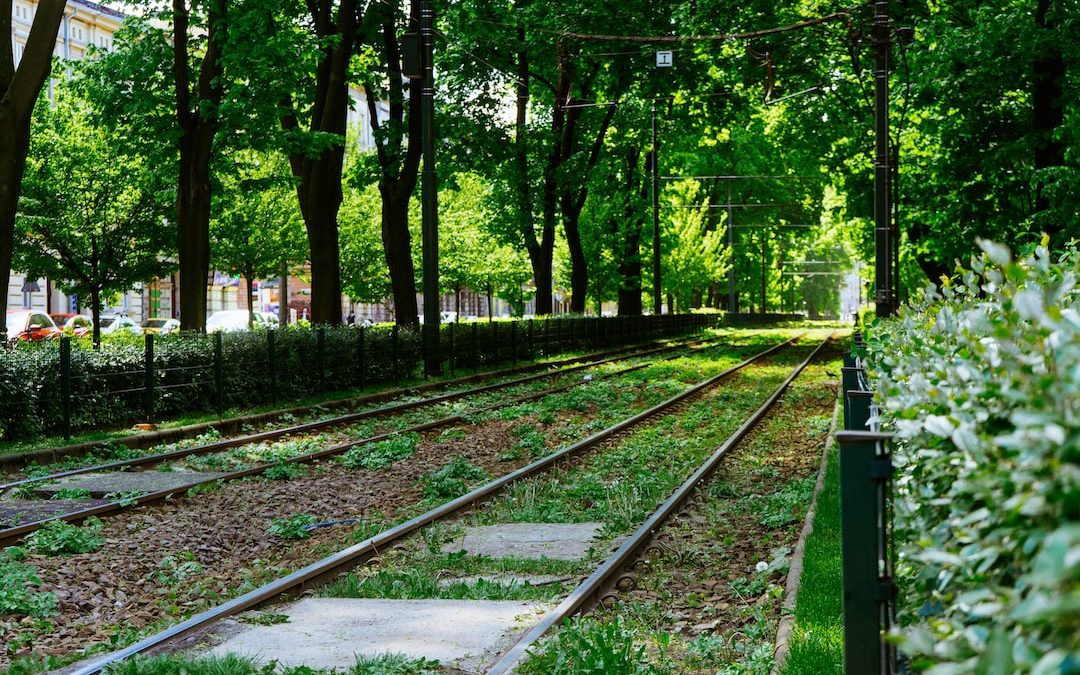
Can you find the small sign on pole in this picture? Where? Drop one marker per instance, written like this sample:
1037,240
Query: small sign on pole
663,59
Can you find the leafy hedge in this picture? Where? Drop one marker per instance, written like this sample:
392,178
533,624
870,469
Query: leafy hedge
980,380
108,386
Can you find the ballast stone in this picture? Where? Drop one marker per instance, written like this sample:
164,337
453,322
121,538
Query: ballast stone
532,541
331,632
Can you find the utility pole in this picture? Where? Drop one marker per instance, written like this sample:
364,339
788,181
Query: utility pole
656,294
885,286
731,252
429,192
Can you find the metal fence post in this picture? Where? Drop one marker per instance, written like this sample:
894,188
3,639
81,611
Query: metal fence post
362,356
453,352
472,347
320,356
271,363
219,372
513,343
65,384
858,403
395,345
849,381
865,475
148,340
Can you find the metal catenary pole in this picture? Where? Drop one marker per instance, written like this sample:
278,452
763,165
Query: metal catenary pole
429,190
885,292
657,306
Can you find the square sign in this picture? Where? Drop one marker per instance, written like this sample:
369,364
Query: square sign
663,59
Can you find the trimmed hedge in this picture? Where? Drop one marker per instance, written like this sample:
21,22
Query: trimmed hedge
980,381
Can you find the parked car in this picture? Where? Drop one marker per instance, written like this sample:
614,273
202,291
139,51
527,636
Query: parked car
230,320
117,323
78,325
28,325
161,325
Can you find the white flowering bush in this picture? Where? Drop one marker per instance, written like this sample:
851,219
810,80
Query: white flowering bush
980,381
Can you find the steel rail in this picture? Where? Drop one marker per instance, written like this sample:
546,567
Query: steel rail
339,420
12,535
591,589
350,557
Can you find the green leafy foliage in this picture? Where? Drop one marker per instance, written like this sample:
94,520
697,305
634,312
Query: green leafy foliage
453,479
590,647
60,538
381,454
980,381
292,527
17,580
284,471
71,493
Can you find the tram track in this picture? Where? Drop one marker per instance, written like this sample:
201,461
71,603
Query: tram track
163,437
13,534
334,565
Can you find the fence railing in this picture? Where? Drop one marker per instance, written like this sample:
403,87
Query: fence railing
867,546
65,385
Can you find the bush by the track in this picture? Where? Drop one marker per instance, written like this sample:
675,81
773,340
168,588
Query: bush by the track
981,383
108,387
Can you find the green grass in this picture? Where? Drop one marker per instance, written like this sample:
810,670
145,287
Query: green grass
817,644
231,664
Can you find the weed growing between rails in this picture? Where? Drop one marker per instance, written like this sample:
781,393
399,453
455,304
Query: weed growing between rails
708,594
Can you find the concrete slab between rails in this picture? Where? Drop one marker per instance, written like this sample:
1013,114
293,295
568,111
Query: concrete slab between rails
15,512
505,580
101,484
332,632
533,541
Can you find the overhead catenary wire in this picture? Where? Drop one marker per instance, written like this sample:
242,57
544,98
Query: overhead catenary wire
666,39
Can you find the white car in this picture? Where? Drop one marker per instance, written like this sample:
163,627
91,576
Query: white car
119,323
230,320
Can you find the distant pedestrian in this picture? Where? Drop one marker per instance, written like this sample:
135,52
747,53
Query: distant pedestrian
351,319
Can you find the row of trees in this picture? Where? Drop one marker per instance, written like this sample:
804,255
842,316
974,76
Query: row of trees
215,132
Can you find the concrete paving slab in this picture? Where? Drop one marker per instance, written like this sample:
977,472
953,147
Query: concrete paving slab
15,512
332,632
101,484
556,541
505,580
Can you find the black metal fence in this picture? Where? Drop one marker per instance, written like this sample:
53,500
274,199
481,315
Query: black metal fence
64,385
867,546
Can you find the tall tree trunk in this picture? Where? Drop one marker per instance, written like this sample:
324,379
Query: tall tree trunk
397,245
1048,112
95,314
283,294
398,149
251,306
319,188
573,197
196,116
540,250
324,253
579,269
17,99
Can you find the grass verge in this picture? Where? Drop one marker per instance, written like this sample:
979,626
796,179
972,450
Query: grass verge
817,641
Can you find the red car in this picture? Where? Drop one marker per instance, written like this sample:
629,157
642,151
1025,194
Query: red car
27,324
78,325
